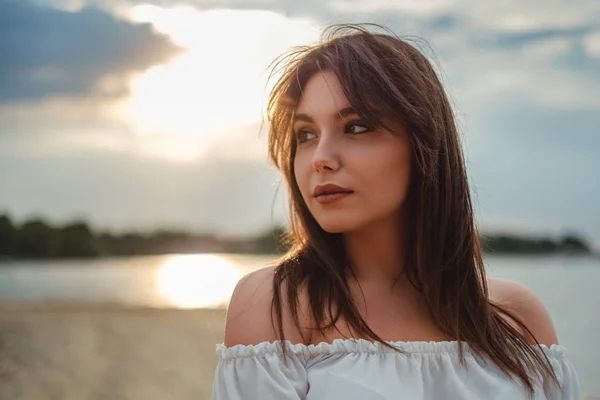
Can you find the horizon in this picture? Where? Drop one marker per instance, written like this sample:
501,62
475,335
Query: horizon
556,236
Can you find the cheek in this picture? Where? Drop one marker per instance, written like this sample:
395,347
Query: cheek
390,175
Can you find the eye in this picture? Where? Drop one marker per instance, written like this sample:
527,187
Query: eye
303,136
356,128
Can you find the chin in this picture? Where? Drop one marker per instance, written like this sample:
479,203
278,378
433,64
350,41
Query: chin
337,224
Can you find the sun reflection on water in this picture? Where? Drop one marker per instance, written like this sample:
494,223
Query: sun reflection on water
197,281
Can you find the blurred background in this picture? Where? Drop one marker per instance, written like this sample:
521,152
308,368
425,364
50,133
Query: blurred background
135,189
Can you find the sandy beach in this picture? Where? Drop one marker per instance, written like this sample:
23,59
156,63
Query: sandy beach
99,352
88,352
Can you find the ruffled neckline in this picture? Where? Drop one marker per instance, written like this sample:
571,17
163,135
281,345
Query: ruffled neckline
360,346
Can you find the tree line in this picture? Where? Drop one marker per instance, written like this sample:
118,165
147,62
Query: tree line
35,238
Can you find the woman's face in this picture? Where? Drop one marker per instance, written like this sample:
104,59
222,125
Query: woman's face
335,147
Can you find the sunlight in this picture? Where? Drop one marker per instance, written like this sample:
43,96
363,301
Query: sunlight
219,83
197,281
405,6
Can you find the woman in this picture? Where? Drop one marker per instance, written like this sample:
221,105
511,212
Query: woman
383,293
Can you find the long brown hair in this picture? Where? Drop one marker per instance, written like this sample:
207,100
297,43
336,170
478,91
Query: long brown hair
444,260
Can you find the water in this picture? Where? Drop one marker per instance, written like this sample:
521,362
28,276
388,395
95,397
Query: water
567,286
180,281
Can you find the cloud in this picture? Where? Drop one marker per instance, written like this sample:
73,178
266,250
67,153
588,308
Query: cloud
289,8
591,43
414,7
47,52
195,104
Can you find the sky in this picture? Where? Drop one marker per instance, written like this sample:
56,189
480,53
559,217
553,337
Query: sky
139,115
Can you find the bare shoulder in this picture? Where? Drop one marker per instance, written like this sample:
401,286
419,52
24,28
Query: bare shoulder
249,316
526,305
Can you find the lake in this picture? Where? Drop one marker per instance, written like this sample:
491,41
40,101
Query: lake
568,286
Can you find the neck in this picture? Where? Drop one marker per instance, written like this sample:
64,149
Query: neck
377,251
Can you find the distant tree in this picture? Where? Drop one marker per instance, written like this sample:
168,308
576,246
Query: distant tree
165,241
502,244
104,243
35,239
130,244
8,236
517,245
271,241
547,246
574,244
74,240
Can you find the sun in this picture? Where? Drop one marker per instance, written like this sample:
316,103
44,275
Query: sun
219,83
197,281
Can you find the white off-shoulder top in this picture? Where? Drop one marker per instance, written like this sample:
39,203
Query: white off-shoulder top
353,369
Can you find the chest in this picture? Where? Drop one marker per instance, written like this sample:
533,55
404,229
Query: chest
393,317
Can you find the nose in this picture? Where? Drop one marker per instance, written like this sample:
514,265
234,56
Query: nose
325,157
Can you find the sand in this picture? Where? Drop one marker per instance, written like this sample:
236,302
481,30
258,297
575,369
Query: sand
100,352
81,352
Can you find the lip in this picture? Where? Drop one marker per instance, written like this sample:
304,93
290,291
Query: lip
329,189
332,197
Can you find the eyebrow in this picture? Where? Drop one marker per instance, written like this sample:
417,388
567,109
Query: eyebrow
344,112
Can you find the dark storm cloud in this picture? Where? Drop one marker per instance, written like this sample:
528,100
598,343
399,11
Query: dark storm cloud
46,52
